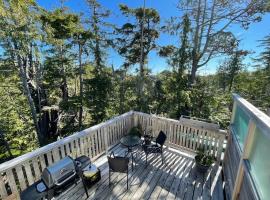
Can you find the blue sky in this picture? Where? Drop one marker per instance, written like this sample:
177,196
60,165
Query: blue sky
167,8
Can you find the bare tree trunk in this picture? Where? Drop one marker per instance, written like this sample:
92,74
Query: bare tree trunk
81,87
63,86
29,98
196,43
193,73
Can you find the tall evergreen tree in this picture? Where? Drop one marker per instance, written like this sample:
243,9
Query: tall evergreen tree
99,86
130,41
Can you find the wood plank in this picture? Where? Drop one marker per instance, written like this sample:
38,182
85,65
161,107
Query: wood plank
49,157
198,187
159,178
77,149
178,177
167,185
28,172
141,178
36,168
3,191
182,186
217,189
42,162
56,155
208,182
68,151
191,182
11,181
21,177
152,170
62,149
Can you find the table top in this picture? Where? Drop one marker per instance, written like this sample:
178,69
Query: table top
130,140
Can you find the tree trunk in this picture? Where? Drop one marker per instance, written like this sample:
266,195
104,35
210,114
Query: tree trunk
193,73
81,87
29,98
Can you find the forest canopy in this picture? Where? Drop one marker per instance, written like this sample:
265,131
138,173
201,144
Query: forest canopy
56,80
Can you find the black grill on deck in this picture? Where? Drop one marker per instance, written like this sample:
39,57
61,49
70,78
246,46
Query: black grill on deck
60,173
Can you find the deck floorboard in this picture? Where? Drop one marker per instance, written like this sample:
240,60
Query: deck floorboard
177,178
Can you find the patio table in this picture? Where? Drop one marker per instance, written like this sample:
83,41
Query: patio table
130,141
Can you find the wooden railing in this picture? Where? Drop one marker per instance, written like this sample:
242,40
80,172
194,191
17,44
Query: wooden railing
19,173
185,133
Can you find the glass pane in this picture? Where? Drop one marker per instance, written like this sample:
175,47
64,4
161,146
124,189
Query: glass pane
240,125
260,163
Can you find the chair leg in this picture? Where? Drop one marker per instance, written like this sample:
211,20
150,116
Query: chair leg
109,177
162,157
146,159
127,180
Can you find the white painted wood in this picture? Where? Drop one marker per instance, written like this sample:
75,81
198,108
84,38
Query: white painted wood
3,191
56,155
11,181
29,174
21,177
49,158
42,162
37,173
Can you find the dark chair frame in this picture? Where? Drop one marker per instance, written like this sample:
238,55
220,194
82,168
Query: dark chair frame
157,147
117,164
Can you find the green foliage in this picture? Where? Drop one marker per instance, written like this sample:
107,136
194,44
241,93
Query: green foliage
203,158
136,131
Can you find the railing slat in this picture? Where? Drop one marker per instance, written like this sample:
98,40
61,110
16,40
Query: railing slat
56,155
20,177
42,162
36,168
11,181
49,157
3,191
29,174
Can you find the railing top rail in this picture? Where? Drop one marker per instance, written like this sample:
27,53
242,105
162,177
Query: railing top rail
23,158
192,123
259,117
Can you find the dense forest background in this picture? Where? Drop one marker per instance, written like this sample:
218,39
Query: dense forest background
55,79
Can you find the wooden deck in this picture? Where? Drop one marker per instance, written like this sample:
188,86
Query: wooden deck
175,179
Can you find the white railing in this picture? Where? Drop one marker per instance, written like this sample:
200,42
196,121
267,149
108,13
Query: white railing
19,173
185,133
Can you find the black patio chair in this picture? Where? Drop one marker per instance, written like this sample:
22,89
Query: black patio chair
157,147
118,164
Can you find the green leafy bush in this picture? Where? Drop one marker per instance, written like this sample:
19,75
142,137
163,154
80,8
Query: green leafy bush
136,131
203,158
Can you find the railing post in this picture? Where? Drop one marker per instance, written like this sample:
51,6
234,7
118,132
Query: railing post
106,139
220,144
245,155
